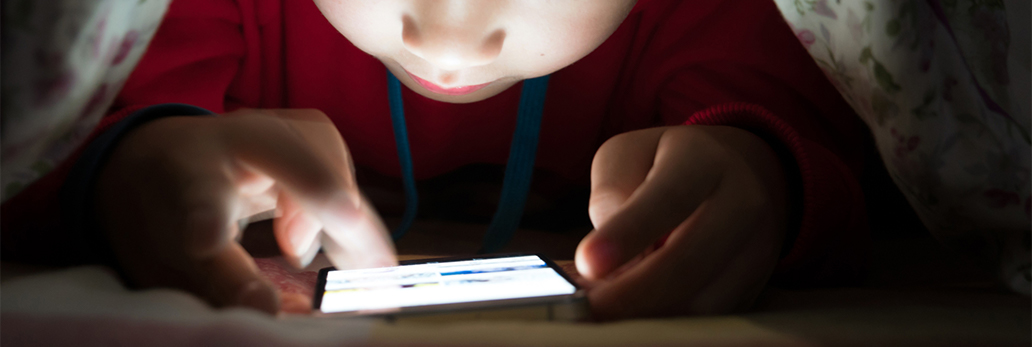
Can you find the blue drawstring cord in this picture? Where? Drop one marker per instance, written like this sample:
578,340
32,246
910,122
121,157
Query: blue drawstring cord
404,156
518,170
520,167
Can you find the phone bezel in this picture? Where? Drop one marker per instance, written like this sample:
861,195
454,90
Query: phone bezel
577,297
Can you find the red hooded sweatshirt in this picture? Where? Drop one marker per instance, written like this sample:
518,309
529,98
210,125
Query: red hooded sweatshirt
671,62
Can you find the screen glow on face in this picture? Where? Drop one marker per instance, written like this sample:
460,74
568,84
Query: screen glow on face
441,283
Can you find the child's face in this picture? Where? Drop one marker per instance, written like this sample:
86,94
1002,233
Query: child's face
469,50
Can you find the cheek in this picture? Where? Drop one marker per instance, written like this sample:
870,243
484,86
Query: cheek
545,43
554,50
372,26
537,57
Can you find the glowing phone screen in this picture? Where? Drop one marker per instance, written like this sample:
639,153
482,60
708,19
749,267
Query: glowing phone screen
441,283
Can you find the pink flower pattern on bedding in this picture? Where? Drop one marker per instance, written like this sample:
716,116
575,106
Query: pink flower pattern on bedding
944,87
71,60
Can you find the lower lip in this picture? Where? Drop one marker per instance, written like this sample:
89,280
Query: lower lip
446,91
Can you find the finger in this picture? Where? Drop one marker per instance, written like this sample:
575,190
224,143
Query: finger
231,278
297,232
309,160
205,213
307,156
697,252
295,303
257,197
737,286
750,265
363,242
213,266
223,273
684,172
619,167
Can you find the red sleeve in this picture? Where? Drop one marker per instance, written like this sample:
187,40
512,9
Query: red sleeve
737,63
32,229
830,226
192,59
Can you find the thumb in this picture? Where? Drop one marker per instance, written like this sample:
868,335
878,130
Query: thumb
231,278
662,177
620,166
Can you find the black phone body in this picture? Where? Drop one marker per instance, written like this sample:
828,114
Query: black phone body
500,286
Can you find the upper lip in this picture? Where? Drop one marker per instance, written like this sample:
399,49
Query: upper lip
433,87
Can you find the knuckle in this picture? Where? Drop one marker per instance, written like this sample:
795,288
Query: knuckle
754,200
600,208
156,142
701,140
686,131
627,138
612,142
208,191
596,214
313,114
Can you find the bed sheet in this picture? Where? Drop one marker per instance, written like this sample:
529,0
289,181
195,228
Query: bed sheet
90,306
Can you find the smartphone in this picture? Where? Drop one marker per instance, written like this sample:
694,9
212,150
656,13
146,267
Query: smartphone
501,286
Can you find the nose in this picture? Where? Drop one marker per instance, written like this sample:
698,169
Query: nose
452,35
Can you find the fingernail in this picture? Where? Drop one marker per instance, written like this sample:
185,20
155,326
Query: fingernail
605,256
345,200
258,295
304,259
356,200
343,209
302,242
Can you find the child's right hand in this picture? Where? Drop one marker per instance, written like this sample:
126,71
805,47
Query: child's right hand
169,198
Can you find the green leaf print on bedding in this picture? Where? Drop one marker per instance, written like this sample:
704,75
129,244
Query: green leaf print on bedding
881,74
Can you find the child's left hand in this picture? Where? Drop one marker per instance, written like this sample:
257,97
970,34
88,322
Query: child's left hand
688,220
